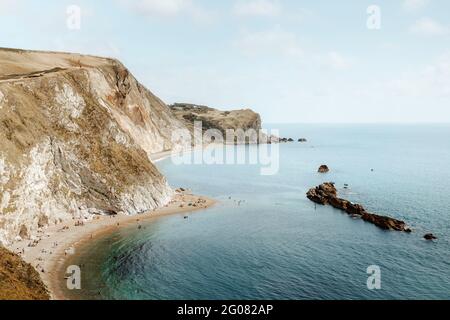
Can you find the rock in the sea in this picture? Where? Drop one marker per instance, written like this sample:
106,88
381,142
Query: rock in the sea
327,194
285,140
385,223
429,236
302,140
323,169
329,189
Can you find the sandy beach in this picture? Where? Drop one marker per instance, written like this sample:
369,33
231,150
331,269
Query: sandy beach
58,242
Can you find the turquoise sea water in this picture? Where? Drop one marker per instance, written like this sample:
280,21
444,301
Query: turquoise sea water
276,244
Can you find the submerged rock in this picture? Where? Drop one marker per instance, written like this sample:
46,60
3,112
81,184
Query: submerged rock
326,194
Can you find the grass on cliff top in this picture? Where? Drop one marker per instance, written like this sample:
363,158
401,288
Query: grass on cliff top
19,280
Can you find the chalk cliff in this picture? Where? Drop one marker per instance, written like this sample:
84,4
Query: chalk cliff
76,133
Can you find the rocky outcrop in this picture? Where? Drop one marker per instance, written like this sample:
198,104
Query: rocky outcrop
302,140
76,133
220,120
285,140
324,169
326,194
19,280
430,237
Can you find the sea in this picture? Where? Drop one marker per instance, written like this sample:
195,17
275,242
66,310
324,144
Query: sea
265,240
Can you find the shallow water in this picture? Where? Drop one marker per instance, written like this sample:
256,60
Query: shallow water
276,244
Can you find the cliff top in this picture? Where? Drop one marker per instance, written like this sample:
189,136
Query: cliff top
21,63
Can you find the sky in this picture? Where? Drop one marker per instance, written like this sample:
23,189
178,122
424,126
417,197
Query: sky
293,61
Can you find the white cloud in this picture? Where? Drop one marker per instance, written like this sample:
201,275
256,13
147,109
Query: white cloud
415,5
431,81
163,7
8,6
429,27
268,8
169,9
275,41
336,61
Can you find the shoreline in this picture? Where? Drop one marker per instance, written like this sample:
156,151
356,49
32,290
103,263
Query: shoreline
62,241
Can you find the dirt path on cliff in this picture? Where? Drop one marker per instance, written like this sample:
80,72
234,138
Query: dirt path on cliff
31,75
18,65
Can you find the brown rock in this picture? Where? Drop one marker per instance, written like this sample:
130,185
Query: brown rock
322,193
327,194
324,169
355,209
385,223
329,189
340,203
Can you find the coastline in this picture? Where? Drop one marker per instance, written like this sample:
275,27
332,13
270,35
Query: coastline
61,241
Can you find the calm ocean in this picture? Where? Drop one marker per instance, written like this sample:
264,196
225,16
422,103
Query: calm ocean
268,241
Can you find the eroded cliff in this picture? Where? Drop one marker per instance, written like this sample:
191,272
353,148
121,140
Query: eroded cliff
76,133
216,119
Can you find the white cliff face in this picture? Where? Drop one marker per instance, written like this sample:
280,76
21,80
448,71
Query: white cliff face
75,142
141,114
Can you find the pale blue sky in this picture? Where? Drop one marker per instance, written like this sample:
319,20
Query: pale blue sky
290,60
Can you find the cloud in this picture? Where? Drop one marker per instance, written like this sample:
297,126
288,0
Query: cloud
431,81
267,8
165,8
336,61
429,27
275,41
414,5
8,6
169,9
